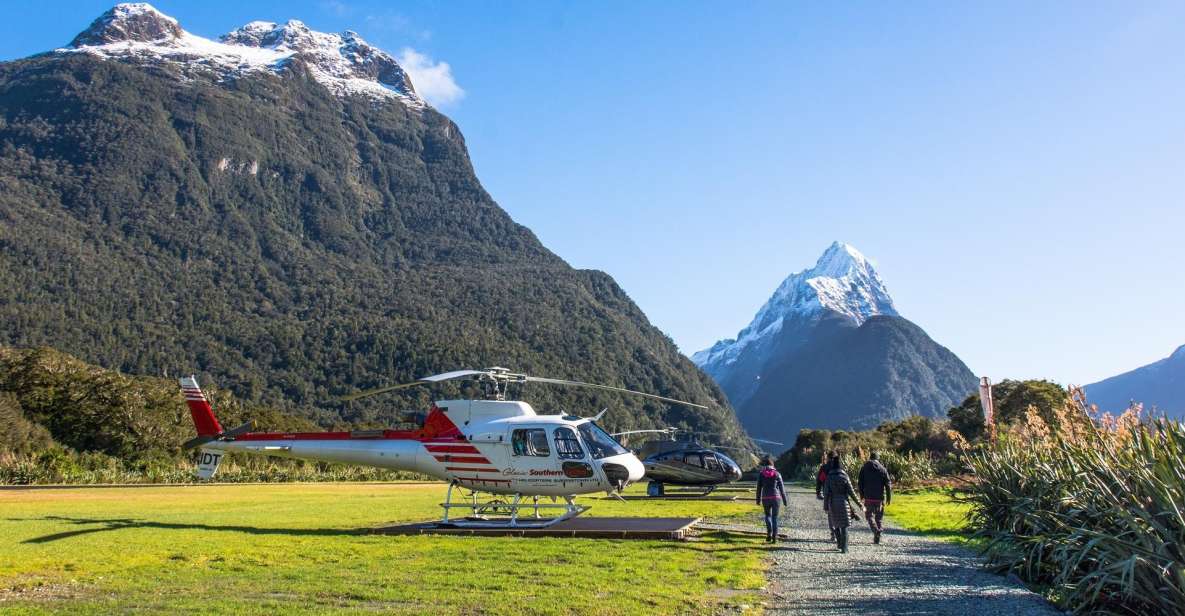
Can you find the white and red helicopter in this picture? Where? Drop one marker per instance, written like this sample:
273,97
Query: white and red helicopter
495,446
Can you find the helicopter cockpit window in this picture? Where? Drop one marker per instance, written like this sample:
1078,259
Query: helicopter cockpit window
694,459
530,442
567,446
600,444
711,463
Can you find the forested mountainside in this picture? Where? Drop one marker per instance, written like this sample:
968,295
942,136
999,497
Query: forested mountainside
289,239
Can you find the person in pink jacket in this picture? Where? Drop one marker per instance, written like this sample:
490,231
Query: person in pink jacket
771,495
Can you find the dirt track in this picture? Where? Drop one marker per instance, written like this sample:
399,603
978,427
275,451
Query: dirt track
906,574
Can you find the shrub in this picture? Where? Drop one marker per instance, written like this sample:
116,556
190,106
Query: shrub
1093,510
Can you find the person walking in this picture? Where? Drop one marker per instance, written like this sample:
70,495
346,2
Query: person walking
836,492
876,489
820,479
771,493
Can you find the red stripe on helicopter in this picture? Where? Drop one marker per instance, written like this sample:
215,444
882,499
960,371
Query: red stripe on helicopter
471,469
451,448
483,480
462,459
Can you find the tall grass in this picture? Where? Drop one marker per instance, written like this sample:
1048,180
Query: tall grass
1093,509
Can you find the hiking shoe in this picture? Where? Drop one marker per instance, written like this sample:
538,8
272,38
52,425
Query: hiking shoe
876,537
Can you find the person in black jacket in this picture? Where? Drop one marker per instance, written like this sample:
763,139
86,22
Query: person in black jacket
837,490
877,490
770,492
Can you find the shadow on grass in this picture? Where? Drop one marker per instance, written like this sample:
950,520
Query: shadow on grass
102,525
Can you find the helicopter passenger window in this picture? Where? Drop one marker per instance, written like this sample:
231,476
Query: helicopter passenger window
694,459
711,462
567,445
532,442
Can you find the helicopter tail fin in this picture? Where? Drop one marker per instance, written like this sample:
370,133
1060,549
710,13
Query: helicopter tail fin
199,407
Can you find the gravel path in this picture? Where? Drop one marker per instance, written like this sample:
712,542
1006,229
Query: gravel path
906,574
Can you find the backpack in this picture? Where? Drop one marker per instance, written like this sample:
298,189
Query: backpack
769,474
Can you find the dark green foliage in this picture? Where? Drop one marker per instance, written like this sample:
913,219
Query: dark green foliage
857,377
18,435
917,434
1011,399
913,449
70,422
89,409
967,418
294,247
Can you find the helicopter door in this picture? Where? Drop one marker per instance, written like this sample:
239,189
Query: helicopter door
573,460
531,456
530,442
711,463
695,463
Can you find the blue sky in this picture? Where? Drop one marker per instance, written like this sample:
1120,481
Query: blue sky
1016,170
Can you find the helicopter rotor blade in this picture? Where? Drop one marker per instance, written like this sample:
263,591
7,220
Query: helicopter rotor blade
455,374
382,390
540,379
629,432
428,380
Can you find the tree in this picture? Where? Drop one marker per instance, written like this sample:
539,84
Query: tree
1012,399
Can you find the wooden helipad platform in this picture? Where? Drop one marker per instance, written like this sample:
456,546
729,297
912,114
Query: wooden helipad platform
586,527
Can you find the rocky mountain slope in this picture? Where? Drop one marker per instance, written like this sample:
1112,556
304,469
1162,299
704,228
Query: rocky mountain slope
1159,386
280,212
829,350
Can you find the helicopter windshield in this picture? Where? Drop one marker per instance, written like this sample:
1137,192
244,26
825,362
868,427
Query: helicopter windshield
600,444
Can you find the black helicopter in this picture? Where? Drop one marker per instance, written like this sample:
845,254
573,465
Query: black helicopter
684,463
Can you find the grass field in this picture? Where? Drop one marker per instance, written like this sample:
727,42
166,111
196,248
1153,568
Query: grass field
246,549
932,512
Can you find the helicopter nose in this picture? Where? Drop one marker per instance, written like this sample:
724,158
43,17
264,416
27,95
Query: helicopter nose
636,469
734,472
623,470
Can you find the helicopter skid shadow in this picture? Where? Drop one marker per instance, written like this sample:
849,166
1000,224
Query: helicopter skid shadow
101,525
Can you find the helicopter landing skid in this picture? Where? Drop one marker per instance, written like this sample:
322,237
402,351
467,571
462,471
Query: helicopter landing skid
501,514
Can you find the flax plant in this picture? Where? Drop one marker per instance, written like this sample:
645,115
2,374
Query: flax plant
1090,508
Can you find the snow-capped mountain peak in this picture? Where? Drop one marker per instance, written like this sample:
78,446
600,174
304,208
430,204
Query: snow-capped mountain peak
842,282
133,21
344,63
